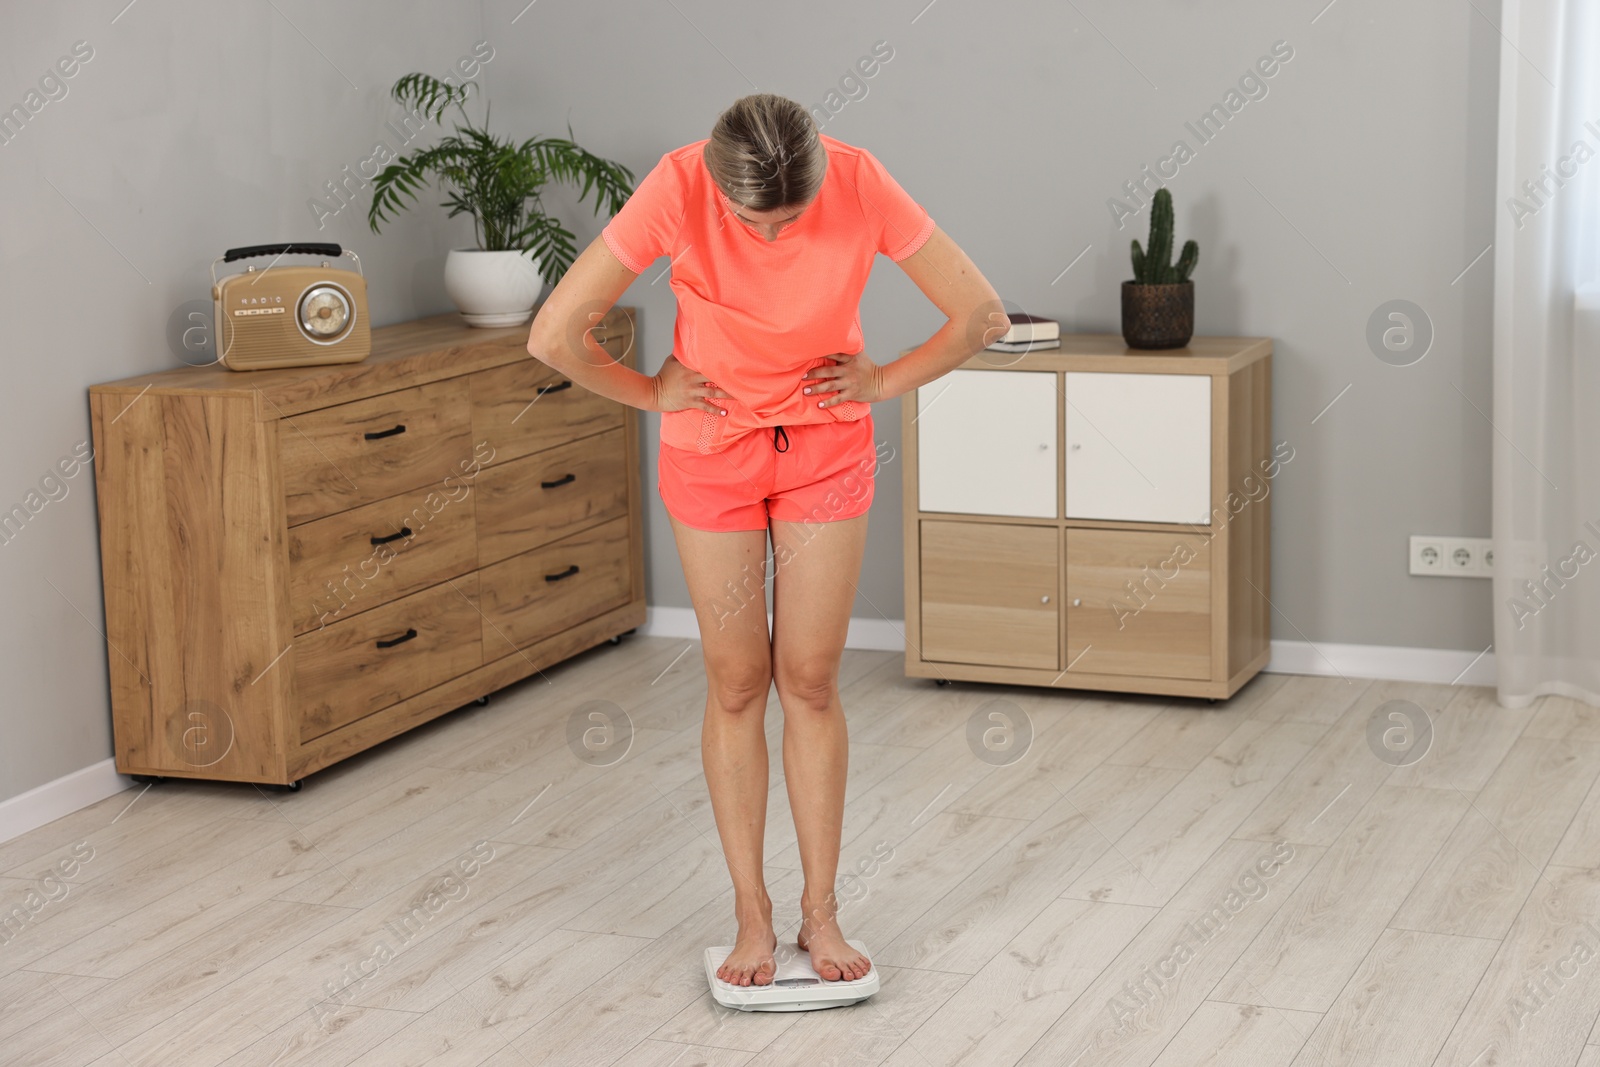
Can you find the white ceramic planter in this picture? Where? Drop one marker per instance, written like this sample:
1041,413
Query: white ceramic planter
492,288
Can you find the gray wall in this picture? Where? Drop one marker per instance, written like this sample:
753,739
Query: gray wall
1365,174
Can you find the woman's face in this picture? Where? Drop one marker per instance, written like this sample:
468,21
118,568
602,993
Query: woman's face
767,223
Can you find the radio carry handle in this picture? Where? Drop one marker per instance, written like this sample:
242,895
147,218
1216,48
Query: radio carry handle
288,248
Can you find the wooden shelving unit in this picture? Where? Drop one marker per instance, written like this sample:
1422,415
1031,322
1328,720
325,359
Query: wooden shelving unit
1092,517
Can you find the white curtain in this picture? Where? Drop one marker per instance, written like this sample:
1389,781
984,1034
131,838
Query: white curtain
1546,415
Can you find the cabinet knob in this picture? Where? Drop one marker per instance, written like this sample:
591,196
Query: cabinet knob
1077,601
1044,600
1075,446
1044,446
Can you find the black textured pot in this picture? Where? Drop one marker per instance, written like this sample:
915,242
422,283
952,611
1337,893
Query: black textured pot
1157,316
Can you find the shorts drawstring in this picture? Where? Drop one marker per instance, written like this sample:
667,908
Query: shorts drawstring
777,432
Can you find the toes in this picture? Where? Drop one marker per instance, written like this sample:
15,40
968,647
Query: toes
857,968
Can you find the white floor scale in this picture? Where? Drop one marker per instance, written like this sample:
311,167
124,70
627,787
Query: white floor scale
794,987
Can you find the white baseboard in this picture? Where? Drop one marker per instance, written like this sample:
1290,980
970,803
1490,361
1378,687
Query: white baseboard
1388,662
65,795
1391,663
1441,666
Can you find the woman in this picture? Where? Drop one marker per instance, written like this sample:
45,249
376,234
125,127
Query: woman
771,227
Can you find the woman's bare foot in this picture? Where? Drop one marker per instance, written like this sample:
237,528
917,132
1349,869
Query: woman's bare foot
831,956
751,962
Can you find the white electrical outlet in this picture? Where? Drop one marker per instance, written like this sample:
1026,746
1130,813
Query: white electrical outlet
1482,555
1427,555
1457,557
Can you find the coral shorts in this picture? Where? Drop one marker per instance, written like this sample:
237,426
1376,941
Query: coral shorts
810,472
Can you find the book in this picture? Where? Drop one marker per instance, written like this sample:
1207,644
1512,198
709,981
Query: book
1029,328
1024,346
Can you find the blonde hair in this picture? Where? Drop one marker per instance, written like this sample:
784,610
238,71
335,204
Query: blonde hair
765,153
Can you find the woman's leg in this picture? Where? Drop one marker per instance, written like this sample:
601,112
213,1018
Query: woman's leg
725,573
817,566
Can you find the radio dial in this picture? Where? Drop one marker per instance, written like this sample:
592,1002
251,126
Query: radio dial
324,312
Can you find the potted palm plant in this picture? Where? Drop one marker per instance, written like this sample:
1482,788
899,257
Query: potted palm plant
519,246
1158,304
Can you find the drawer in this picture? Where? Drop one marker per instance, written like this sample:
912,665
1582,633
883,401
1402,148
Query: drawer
986,443
1139,603
989,593
342,457
526,407
537,594
537,499
1139,447
363,558
356,666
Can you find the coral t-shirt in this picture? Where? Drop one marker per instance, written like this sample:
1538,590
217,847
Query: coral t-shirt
754,315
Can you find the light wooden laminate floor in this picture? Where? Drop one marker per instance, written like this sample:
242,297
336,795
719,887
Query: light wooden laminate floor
1133,881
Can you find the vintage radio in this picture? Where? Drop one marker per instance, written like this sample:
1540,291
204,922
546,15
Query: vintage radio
290,316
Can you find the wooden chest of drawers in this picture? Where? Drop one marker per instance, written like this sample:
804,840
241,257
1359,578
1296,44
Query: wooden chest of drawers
301,563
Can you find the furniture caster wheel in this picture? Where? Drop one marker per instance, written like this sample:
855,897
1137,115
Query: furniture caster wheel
292,787
941,681
147,779
481,701
615,639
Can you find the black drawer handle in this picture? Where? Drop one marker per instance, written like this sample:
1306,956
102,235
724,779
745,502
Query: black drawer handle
387,433
543,389
559,481
568,573
410,633
405,531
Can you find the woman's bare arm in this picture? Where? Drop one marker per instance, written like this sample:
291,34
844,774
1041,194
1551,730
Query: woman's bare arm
974,314
560,333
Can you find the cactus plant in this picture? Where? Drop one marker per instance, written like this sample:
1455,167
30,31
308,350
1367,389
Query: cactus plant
1155,267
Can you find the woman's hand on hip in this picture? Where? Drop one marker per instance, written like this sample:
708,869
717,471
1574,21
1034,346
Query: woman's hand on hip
848,377
677,388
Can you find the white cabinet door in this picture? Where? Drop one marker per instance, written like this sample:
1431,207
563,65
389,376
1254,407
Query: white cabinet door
1139,447
986,443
